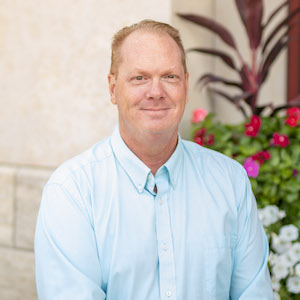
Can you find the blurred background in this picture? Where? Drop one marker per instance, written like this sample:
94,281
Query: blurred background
54,61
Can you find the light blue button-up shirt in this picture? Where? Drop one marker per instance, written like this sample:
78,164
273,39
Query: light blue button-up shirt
104,233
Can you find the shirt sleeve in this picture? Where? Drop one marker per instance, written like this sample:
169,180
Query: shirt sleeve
250,277
67,261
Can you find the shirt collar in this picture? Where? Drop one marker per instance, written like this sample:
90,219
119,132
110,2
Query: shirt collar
174,163
133,166
136,169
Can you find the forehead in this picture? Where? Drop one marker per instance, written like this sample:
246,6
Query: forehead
142,47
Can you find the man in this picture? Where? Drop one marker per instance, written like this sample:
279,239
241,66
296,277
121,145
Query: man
144,215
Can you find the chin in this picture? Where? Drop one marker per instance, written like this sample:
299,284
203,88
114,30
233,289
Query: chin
159,129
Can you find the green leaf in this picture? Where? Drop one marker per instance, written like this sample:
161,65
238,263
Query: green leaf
286,157
249,150
290,198
286,173
275,160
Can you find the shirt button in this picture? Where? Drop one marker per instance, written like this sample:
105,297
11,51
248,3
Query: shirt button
165,246
168,293
161,201
149,177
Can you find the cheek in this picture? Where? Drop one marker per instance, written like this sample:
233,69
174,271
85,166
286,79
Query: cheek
131,97
177,95
137,95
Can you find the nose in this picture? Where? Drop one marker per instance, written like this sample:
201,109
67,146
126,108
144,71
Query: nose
156,90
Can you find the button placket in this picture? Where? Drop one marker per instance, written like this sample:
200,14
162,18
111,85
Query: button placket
165,245
162,200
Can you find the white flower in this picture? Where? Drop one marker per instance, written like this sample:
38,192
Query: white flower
288,233
276,296
269,215
294,252
279,245
281,214
272,258
275,283
293,284
287,259
297,270
280,270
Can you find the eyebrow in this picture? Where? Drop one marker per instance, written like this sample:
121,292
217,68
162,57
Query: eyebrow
143,71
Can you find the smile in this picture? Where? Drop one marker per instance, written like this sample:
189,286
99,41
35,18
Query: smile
155,109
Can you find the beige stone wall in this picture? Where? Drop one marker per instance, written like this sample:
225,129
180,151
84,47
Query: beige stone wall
20,192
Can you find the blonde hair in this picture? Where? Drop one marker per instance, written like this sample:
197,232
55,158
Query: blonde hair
146,25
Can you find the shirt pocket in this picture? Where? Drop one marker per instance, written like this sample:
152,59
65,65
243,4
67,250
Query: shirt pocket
218,264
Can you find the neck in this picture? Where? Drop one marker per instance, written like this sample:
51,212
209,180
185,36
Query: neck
152,150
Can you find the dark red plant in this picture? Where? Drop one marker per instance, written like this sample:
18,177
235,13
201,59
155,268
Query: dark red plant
264,51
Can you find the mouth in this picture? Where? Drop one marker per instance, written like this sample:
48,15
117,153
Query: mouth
155,109
155,113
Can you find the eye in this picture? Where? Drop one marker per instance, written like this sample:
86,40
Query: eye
171,78
139,79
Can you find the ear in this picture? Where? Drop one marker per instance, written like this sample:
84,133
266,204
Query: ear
112,84
187,87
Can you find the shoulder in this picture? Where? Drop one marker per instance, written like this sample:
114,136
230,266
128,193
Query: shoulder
74,180
81,164
73,183
209,157
219,172
216,168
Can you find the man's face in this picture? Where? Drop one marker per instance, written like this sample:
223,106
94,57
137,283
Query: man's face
151,87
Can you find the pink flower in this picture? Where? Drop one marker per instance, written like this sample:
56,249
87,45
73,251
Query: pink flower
199,115
293,114
266,154
251,167
281,140
210,140
261,156
293,111
200,132
253,127
199,136
199,140
292,120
